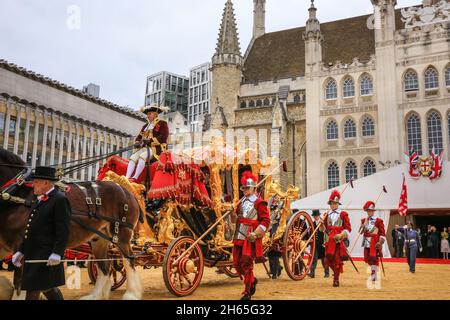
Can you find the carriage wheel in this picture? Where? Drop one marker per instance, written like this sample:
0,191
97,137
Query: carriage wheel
298,232
182,279
230,271
117,273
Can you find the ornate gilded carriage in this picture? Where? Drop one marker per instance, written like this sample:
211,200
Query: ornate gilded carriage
185,229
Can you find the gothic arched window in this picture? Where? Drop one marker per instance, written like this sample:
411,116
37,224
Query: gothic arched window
351,171
369,168
434,132
333,175
431,78
414,132
366,85
297,98
331,90
447,76
349,129
266,102
251,104
332,130
368,127
411,81
259,103
348,88
243,105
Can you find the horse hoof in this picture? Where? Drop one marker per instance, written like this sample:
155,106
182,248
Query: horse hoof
130,296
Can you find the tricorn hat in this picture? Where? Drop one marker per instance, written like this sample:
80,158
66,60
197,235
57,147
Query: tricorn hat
45,173
154,108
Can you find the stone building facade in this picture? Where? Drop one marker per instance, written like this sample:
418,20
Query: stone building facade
48,123
345,98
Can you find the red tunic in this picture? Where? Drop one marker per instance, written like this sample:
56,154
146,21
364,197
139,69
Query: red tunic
343,223
371,254
263,218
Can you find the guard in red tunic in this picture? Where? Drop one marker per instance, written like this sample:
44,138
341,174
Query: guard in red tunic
337,228
253,219
374,236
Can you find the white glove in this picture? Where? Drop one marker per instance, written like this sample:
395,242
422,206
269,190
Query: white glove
54,260
420,249
16,258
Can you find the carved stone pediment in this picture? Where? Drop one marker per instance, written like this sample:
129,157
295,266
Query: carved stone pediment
431,12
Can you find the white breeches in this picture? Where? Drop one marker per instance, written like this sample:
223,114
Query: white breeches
141,154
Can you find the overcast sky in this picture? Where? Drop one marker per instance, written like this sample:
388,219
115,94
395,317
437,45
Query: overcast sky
117,44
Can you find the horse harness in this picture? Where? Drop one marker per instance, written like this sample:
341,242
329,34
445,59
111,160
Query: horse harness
93,208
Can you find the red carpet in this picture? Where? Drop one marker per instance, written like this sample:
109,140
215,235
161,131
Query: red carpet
419,260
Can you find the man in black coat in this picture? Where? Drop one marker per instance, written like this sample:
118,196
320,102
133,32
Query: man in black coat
46,237
320,249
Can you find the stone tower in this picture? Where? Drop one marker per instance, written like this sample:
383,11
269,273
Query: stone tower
227,66
389,122
259,18
313,59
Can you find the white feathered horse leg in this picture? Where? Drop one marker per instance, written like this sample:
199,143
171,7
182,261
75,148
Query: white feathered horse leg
134,285
102,288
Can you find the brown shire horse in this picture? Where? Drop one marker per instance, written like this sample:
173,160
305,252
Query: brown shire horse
110,214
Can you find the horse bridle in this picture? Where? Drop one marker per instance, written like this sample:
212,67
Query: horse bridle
13,165
8,189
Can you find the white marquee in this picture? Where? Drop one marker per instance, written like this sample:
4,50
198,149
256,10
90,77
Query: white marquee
422,194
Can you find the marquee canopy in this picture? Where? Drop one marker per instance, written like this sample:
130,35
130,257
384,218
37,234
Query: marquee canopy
423,193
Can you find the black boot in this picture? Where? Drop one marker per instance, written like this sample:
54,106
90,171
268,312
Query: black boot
272,267
11,267
246,296
253,287
280,268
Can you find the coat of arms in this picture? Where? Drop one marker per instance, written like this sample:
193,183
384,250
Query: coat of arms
426,166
